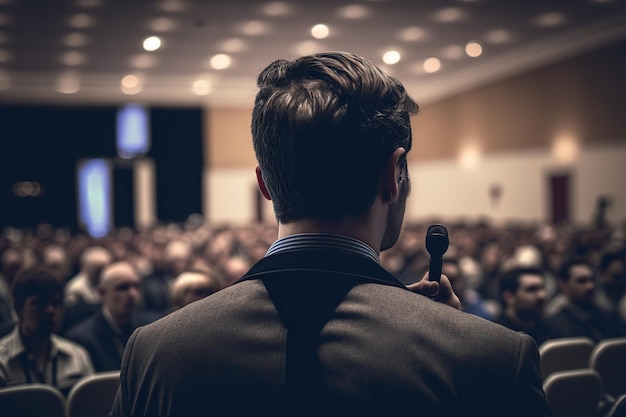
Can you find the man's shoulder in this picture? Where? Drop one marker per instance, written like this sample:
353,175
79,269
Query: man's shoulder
83,328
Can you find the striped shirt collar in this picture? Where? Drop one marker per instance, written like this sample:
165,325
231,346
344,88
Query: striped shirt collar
322,241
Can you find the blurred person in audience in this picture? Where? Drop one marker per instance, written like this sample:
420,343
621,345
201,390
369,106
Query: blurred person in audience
318,327
471,301
32,353
490,259
105,334
82,298
530,256
12,262
83,287
156,287
54,257
610,295
192,286
234,268
523,296
575,314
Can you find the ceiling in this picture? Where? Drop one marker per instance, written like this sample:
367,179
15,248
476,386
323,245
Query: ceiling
80,51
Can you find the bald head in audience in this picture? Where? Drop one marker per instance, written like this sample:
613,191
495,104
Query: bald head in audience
120,291
193,286
92,261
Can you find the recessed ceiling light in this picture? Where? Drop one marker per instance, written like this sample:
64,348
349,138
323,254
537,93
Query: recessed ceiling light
220,61
354,11
81,21
233,45
254,28
131,84
72,58
68,84
320,31
551,19
449,15
565,148
473,49
498,36
162,24
276,8
172,5
412,34
432,65
201,87
151,43
307,48
391,57
74,39
143,61
470,155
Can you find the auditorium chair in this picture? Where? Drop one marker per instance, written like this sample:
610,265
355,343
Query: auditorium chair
93,395
608,359
574,393
31,400
565,354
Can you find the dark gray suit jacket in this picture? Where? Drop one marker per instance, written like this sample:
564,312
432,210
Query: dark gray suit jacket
384,351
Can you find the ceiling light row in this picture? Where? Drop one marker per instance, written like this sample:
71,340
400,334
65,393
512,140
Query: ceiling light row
131,84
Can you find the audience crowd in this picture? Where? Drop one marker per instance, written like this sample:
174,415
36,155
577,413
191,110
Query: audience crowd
548,281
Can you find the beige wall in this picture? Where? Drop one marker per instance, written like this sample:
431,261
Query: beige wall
228,142
581,97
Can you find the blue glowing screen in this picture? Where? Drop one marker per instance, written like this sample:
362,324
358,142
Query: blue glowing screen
132,131
94,193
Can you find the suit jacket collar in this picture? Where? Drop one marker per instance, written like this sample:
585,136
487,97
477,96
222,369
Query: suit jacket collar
333,262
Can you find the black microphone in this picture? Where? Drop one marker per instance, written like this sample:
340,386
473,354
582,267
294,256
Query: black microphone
436,244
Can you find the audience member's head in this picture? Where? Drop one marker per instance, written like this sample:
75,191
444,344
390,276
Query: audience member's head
12,261
451,268
576,279
192,286
234,268
177,257
37,298
92,261
120,290
523,293
613,271
54,257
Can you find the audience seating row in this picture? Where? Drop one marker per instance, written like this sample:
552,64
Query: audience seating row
579,374
92,396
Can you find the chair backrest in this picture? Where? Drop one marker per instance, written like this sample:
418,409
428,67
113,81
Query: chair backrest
574,393
565,354
608,359
31,400
93,395
619,408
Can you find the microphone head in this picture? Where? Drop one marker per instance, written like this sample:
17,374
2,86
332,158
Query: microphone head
437,240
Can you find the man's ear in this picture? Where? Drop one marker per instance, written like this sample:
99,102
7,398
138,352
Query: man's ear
261,183
394,176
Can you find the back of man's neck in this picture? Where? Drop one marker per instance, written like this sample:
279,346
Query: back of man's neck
354,228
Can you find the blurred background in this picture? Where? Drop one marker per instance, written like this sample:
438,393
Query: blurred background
130,114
